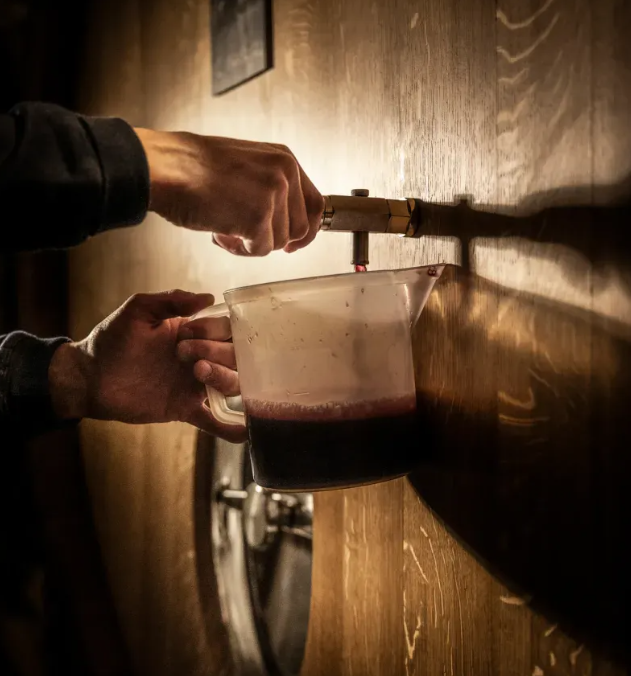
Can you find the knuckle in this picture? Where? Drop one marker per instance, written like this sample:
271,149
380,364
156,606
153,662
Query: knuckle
281,241
136,301
260,209
184,349
280,183
283,149
270,178
276,180
262,249
287,162
174,293
299,228
204,372
259,214
315,204
307,239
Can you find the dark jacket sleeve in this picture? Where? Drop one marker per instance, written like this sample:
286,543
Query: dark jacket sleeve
65,177
25,403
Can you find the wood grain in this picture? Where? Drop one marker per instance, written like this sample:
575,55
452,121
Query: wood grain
544,152
503,554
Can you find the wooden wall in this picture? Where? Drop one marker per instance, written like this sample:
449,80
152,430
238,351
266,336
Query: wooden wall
504,554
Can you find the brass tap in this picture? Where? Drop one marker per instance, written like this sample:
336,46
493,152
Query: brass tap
344,213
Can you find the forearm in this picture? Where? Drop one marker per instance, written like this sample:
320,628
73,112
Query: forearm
65,177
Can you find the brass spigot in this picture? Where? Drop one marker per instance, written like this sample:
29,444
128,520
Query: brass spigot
360,213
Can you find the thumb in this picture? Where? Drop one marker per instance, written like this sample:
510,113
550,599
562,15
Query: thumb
231,243
176,303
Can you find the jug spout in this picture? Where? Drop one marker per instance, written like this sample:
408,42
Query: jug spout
419,285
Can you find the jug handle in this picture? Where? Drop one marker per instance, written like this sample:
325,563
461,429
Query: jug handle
217,403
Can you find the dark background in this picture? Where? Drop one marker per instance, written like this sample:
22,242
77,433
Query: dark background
42,495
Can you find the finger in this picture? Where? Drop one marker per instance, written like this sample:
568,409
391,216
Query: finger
260,245
176,303
206,328
219,377
281,217
314,204
292,224
263,241
209,350
203,419
298,219
302,243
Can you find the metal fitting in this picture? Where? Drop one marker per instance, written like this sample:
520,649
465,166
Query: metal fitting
369,214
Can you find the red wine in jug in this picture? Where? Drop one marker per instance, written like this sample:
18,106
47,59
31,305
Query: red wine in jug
310,448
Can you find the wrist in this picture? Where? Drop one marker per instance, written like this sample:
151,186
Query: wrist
166,154
68,382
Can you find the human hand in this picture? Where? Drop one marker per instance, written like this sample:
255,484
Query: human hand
131,368
254,197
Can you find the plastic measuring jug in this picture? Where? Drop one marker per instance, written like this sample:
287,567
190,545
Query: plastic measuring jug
326,374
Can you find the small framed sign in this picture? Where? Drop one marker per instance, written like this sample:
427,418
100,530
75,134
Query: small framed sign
241,41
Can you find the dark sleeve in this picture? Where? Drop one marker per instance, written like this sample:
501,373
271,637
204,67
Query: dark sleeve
25,404
65,177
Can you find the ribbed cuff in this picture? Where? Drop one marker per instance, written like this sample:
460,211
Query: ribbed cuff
125,172
24,391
